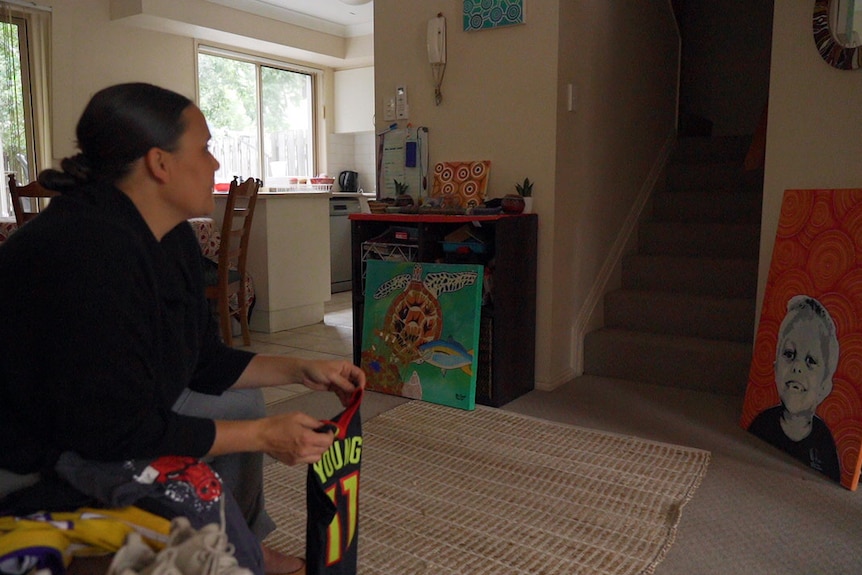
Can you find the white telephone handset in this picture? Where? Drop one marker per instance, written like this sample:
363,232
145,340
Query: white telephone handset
437,40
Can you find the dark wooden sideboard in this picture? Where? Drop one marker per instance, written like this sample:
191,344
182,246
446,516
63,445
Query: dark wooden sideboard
507,349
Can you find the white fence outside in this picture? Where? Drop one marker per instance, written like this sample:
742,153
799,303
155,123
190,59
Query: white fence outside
285,154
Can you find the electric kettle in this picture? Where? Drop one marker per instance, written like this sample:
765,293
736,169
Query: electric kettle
348,181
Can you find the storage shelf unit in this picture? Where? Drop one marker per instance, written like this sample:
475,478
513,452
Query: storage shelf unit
395,245
507,348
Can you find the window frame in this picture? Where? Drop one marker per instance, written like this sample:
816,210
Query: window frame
34,44
259,60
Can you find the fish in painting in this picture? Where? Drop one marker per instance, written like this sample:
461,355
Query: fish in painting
446,354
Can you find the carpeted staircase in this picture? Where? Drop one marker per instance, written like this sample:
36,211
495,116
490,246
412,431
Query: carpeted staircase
684,316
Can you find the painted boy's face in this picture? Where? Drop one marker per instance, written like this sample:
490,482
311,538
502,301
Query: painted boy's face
800,367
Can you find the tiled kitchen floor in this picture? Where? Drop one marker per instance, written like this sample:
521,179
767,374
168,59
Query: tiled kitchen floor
331,339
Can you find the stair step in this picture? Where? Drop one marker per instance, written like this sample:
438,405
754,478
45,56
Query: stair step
685,314
705,239
699,206
713,149
680,314
724,277
706,177
690,363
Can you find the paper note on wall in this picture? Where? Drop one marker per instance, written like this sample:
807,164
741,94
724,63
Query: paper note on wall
397,164
394,144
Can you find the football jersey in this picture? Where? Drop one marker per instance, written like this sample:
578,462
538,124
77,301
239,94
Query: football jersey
332,498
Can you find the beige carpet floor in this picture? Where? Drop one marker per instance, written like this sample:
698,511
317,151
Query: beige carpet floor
447,491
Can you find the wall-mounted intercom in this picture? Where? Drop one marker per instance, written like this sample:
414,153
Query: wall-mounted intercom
436,43
437,40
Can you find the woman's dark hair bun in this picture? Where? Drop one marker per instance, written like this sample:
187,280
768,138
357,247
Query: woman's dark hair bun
77,167
75,172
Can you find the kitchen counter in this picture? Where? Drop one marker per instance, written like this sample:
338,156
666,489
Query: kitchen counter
288,258
356,194
303,192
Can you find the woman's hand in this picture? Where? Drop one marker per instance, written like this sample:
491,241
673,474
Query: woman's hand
341,377
293,438
288,437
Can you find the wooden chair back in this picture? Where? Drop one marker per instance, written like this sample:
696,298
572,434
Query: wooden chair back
32,191
232,258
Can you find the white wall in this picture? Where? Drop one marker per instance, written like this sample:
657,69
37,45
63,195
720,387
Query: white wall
499,92
609,151
91,50
353,152
815,117
504,100
499,104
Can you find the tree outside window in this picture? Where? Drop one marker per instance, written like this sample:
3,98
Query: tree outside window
15,113
261,118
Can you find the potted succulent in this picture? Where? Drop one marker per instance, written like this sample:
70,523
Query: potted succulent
402,198
525,190
517,203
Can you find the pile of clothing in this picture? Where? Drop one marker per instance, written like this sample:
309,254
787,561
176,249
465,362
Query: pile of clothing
188,552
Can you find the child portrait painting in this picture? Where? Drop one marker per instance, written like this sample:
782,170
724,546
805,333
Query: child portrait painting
804,393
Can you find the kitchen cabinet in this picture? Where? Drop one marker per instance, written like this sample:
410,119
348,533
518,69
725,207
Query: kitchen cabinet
288,258
354,100
507,348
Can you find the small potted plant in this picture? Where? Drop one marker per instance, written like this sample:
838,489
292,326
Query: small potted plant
517,203
525,190
402,198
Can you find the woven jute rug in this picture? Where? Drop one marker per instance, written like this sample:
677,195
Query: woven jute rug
447,491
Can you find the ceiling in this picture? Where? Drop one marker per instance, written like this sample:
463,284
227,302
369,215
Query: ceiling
329,16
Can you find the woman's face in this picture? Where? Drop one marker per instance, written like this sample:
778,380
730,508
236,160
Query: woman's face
193,168
800,367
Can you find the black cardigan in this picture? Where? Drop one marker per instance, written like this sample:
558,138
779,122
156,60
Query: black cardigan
102,329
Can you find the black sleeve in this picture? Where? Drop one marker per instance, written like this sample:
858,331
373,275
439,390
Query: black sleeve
218,366
85,369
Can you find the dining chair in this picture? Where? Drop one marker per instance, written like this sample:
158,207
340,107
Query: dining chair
228,277
32,191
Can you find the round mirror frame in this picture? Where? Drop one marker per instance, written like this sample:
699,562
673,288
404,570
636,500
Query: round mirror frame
827,45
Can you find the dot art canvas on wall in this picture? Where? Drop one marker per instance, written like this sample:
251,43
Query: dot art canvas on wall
804,391
461,184
484,14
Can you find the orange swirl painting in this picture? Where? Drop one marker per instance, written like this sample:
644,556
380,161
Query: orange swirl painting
461,184
804,391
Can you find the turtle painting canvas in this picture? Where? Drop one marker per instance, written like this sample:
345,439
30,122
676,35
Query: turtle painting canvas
420,335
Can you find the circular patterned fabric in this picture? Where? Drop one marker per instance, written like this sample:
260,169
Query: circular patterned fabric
461,184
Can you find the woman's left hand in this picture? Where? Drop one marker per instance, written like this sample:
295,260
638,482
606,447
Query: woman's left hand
339,376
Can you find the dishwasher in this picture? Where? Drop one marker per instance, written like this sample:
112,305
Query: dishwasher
339,241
